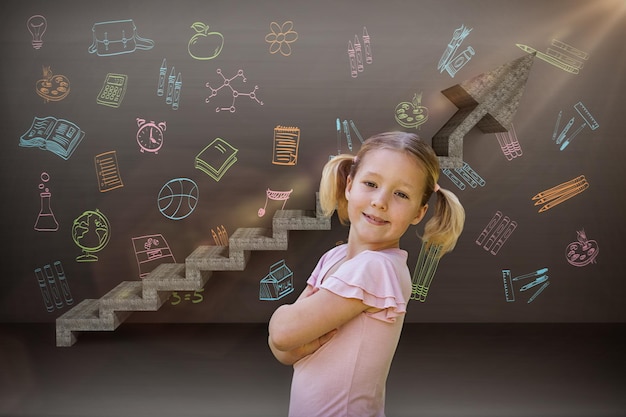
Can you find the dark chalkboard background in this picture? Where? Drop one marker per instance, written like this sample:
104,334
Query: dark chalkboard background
310,88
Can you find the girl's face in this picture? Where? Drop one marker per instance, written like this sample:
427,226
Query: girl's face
384,198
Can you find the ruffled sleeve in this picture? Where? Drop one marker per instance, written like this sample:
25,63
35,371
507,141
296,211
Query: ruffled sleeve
377,278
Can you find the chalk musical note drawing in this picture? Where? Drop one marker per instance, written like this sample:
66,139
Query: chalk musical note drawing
277,196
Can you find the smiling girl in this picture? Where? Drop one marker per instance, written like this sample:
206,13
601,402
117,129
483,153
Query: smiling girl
342,332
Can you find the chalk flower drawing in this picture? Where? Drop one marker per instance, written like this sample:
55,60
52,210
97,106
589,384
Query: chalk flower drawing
281,37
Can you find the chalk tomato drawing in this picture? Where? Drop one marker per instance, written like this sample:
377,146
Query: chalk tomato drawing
205,45
52,87
583,251
411,114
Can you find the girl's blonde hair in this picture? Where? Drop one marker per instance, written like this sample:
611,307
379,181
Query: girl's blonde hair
446,224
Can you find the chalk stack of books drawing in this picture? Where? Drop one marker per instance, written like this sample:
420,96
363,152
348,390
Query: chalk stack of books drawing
216,158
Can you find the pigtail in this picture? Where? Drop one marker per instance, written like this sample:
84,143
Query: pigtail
446,224
333,186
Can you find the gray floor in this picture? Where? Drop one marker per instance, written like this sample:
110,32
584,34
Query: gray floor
440,370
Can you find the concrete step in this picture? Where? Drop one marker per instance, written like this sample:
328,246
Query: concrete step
86,316
149,294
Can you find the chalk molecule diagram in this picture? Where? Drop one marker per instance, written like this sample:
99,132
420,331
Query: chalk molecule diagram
227,83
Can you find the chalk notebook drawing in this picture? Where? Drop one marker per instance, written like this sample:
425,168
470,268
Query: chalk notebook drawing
216,158
58,136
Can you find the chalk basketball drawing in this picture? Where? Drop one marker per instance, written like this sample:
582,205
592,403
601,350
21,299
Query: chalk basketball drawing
178,198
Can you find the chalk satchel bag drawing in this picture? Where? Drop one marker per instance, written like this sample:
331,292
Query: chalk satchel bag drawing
117,37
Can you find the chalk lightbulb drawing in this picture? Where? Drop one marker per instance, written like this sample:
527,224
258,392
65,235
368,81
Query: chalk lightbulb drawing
37,26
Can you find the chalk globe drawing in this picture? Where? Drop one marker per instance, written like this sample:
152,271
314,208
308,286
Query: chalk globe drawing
91,232
178,198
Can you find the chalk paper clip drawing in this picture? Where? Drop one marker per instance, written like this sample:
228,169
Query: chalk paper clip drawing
588,120
509,144
113,89
425,268
582,252
565,57
281,37
450,63
220,237
37,25
108,171
285,144
276,196
59,136
117,37
499,229
204,45
227,82
551,197
46,221
356,52
52,87
150,135
178,198
540,278
466,175
50,288
151,251
216,158
411,114
91,231
278,283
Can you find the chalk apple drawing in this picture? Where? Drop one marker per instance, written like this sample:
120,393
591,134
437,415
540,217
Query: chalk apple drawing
52,87
205,45
583,251
412,114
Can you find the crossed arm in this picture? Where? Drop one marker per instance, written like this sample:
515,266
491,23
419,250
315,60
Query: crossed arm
299,329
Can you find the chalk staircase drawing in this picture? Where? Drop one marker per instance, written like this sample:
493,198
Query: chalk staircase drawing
149,294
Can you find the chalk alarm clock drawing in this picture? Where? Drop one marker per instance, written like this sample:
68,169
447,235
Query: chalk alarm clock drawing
150,135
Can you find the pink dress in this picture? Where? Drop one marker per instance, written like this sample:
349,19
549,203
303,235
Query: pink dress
346,377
